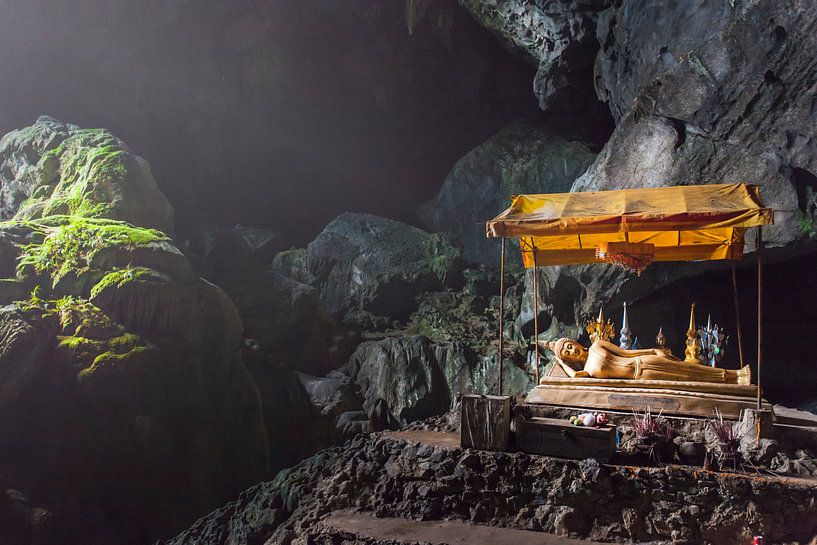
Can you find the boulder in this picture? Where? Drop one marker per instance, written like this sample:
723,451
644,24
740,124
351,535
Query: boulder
278,312
53,168
405,373
120,408
378,265
121,375
286,319
291,423
416,378
339,402
521,158
640,41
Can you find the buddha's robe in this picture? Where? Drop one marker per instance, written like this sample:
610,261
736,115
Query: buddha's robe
606,360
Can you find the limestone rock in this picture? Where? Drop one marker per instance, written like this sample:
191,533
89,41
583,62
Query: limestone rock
521,158
284,316
293,427
558,36
277,311
53,168
23,346
366,262
114,356
404,373
292,263
120,408
727,101
416,378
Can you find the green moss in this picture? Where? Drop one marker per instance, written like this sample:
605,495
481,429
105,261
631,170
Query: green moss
77,317
71,242
87,338
91,350
79,348
121,277
440,254
77,176
114,358
806,225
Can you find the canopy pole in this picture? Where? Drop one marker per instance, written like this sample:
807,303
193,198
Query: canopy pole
737,312
535,315
501,312
759,311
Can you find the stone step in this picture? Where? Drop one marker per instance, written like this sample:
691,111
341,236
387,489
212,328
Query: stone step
364,529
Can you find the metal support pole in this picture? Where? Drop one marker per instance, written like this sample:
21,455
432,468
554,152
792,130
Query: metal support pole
535,315
501,313
737,313
759,311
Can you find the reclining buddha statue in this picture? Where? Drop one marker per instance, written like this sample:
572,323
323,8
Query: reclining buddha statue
605,360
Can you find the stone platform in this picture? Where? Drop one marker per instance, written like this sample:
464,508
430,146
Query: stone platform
670,398
426,476
678,504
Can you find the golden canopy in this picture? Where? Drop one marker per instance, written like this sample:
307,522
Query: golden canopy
684,223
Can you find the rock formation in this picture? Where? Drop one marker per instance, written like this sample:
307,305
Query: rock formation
394,477
361,262
124,399
523,157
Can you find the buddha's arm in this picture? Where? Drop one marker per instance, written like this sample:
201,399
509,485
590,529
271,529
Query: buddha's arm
624,353
572,373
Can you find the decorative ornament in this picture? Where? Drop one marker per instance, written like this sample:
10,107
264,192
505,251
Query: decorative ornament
599,330
693,348
713,342
661,341
636,345
625,341
630,256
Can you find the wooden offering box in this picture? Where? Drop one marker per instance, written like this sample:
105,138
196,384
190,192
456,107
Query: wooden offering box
560,438
485,422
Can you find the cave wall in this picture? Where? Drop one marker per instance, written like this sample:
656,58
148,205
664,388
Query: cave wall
276,113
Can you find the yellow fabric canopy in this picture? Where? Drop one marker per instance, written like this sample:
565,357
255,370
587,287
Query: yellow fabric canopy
684,223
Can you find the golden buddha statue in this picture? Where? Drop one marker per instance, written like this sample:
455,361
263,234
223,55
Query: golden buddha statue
605,360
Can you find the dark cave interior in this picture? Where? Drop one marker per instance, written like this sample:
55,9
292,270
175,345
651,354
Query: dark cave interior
274,114
296,284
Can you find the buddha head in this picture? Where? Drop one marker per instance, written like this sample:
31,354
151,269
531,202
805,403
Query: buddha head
569,351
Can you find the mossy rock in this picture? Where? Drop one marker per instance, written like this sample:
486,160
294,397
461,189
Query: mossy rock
73,253
195,313
59,169
120,372
131,426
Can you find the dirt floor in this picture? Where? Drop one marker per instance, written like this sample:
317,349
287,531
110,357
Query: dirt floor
437,532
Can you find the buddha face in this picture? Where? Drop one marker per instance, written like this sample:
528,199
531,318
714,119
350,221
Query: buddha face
571,352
